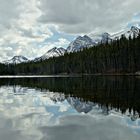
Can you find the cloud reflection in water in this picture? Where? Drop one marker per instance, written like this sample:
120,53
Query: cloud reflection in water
28,114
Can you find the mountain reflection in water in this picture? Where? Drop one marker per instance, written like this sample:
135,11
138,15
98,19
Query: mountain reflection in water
88,107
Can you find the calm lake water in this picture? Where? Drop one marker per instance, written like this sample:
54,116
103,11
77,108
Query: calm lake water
66,108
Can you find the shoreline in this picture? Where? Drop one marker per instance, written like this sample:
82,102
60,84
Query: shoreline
68,75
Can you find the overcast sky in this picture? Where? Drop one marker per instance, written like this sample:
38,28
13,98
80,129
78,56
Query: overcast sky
31,27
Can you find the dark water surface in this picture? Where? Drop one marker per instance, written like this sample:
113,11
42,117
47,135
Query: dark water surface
66,108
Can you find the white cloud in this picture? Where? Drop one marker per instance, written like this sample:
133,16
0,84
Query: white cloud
20,30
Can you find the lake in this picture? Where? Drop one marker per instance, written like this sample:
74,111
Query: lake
70,108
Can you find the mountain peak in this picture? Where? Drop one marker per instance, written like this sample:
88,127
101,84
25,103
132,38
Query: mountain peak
135,29
54,52
79,43
53,49
16,60
79,38
85,36
19,57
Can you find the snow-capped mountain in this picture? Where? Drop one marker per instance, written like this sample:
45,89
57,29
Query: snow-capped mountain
133,31
16,60
54,52
79,43
93,40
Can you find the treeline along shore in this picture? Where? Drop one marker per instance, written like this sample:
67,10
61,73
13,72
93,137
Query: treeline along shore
119,57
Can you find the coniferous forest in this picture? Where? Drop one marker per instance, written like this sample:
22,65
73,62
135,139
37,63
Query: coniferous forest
121,56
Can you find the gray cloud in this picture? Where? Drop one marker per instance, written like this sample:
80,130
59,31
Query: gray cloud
9,11
84,16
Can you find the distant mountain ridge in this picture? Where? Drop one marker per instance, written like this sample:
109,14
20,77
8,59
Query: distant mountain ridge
104,37
78,44
134,31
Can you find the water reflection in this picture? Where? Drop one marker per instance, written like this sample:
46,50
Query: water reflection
100,108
